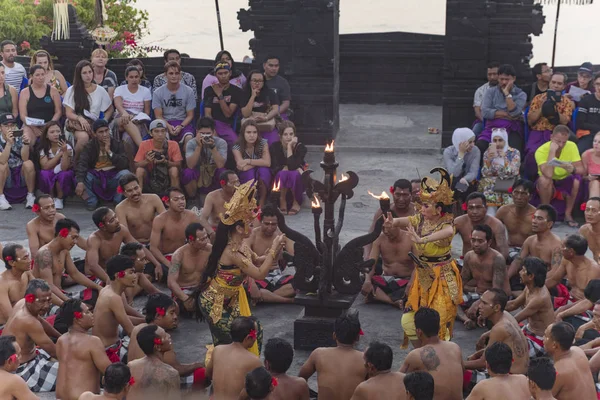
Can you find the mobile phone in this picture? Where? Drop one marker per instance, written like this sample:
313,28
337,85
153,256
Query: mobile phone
62,138
17,133
461,187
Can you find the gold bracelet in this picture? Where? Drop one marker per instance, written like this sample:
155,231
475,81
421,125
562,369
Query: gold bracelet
272,253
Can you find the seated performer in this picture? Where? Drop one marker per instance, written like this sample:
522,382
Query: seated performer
152,376
14,279
117,383
81,355
38,365
168,228
536,303
228,382
541,375
591,229
501,383
382,382
438,357
339,369
279,355
144,269
419,385
110,313
259,384
188,265
12,386
214,204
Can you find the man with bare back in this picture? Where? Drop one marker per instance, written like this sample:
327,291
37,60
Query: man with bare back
110,311
54,259
485,268
591,229
117,383
215,201
38,366
40,230
382,382
438,357
12,386
13,280
106,242
230,363
168,229
279,355
187,266
339,369
573,375
536,304
517,216
505,329
80,355
138,209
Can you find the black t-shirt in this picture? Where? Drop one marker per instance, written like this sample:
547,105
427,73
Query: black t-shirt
232,95
532,90
264,101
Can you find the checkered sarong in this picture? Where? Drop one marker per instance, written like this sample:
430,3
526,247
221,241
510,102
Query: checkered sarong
40,373
196,378
469,298
536,343
472,378
118,351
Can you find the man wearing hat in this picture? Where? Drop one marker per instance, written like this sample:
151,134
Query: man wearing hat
588,116
221,102
16,169
158,160
584,78
101,164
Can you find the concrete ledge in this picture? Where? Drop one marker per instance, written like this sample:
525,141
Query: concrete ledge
381,150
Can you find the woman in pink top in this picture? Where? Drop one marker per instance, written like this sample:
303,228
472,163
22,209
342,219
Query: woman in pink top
591,161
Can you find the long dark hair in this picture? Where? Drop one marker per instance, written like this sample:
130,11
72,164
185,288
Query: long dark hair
263,96
221,240
241,140
234,72
45,144
80,95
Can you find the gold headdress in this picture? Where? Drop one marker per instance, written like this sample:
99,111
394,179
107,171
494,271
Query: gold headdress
242,206
437,192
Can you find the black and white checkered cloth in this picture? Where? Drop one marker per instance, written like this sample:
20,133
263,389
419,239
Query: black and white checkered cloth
40,373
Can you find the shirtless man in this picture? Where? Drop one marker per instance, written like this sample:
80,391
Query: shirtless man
502,384
419,385
117,382
483,266
137,252
154,378
138,210
279,355
415,189
277,286
542,376
54,259
12,386
382,382
393,244
40,230
187,266
591,229
162,311
517,216
476,215
168,229
230,363
110,311
106,242
214,204
339,369
537,305
542,244
81,355
13,280
38,365
438,357
573,376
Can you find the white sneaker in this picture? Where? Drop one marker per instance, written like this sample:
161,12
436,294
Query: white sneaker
4,204
58,204
30,200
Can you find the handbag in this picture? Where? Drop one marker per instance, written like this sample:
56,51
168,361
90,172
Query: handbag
503,185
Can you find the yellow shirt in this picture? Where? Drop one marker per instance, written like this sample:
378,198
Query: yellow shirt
569,153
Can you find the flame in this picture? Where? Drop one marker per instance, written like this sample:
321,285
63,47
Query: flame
329,147
382,196
276,186
315,203
344,177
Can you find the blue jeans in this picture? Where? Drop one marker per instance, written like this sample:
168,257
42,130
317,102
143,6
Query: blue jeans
94,189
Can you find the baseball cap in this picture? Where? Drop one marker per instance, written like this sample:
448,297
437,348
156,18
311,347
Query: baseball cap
7,118
99,123
158,123
586,67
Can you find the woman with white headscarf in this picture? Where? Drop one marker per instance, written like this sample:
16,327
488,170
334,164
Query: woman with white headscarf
462,160
501,165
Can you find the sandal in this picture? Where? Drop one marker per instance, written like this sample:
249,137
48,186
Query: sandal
572,223
294,211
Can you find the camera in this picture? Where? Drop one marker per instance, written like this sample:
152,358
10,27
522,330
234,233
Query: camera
158,155
554,95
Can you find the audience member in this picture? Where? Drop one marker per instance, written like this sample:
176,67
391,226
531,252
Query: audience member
187,78
588,117
492,80
12,386
221,103
14,279
517,216
56,177
419,385
9,99
500,168
39,104
237,77
382,383
591,229
462,160
542,74
584,78
134,62
117,383
541,375
252,158
559,182
205,156
591,164
84,103
102,75
214,204
502,107
14,72
17,171
278,84
262,106
279,355
53,77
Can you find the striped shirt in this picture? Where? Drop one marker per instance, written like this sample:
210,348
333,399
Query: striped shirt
258,150
14,76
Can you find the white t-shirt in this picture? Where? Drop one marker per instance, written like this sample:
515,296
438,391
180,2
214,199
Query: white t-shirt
133,102
51,155
14,76
99,101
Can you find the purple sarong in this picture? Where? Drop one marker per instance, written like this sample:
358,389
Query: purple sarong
108,184
534,141
291,180
188,175
271,137
509,125
258,173
15,189
226,132
564,187
187,130
47,179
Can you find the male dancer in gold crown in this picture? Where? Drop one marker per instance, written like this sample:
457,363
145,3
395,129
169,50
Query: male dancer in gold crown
436,282
222,297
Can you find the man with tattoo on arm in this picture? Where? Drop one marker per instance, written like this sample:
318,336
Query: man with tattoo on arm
483,266
438,357
382,382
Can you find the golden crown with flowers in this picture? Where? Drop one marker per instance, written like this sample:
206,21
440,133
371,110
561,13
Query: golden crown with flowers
242,206
433,191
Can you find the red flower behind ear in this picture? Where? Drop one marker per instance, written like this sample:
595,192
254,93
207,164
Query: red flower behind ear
8,258
131,381
29,298
252,334
392,190
274,382
160,311
157,341
361,333
121,274
191,238
78,315
222,182
583,206
119,189
35,208
165,199
13,358
101,225
464,206
64,232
